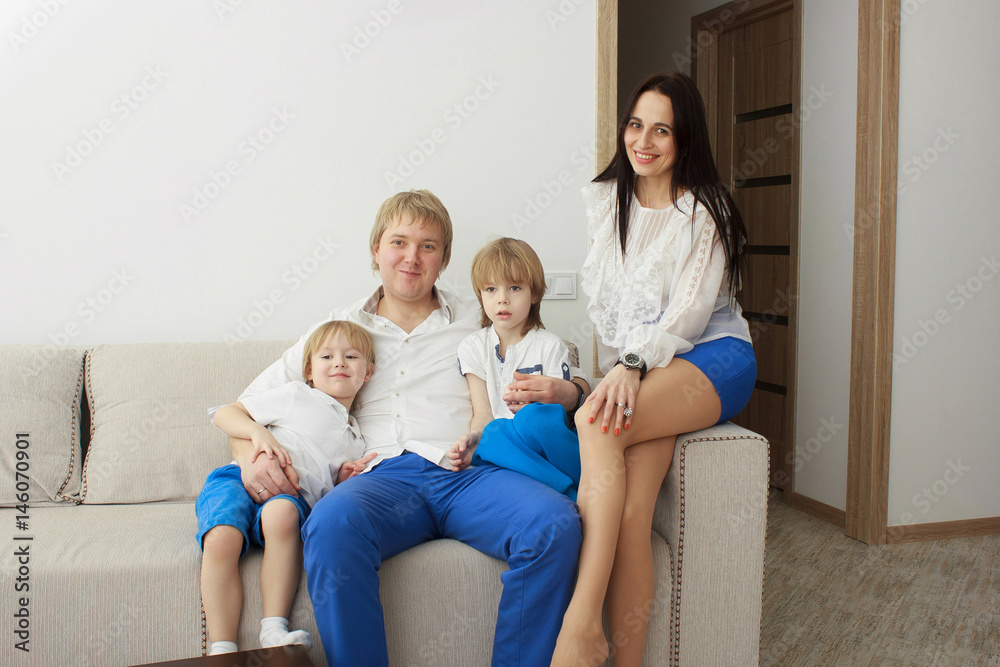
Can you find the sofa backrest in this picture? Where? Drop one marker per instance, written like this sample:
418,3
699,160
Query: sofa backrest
151,437
41,387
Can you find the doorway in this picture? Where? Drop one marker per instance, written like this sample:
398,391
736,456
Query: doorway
747,68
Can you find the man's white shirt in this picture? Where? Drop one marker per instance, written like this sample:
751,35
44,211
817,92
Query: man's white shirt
417,399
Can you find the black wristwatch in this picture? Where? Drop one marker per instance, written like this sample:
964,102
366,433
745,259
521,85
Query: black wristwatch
633,362
579,401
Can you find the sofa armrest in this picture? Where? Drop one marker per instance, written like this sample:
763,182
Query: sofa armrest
712,510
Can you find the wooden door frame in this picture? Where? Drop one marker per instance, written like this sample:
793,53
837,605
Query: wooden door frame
874,271
874,237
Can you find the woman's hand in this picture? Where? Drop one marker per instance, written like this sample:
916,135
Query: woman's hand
616,391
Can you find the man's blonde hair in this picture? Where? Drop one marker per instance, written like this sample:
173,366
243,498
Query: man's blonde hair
422,206
511,261
355,334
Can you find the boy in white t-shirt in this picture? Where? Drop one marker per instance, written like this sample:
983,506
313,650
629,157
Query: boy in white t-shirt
302,424
509,282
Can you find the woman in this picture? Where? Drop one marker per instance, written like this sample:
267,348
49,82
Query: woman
661,274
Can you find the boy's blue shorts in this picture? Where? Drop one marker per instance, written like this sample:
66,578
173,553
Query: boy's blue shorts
224,502
731,366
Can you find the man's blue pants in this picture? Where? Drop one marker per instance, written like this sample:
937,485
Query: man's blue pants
406,501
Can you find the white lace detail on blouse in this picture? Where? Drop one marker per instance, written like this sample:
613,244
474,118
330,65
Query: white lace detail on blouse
626,293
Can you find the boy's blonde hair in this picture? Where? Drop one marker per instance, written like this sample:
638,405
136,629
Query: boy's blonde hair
422,206
355,334
511,261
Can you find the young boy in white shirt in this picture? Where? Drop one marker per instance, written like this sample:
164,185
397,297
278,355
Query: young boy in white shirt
302,424
509,282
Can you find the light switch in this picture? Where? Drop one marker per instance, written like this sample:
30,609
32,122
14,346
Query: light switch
560,285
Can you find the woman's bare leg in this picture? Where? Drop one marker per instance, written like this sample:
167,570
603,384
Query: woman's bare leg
671,400
631,587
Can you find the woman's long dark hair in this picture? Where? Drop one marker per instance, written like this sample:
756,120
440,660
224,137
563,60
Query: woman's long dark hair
694,168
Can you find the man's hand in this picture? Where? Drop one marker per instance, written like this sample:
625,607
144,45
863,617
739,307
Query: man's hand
264,478
460,454
351,468
540,389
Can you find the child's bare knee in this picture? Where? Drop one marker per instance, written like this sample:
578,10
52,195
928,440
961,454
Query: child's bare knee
222,541
280,517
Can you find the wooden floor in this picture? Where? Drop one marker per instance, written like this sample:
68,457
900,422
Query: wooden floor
830,600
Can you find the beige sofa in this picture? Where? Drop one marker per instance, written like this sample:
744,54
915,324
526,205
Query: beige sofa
104,451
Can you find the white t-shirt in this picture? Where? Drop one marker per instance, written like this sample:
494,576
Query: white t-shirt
417,399
314,427
538,353
669,292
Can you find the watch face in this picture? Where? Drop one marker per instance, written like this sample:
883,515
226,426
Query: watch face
632,360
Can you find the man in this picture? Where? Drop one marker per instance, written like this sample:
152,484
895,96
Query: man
413,408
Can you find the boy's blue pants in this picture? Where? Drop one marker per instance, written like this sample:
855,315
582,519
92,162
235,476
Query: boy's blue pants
408,500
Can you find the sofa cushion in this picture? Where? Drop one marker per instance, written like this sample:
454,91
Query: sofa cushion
151,437
40,390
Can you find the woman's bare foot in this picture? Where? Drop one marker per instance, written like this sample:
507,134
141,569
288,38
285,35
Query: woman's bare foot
580,645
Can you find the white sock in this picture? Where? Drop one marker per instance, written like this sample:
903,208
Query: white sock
218,648
274,632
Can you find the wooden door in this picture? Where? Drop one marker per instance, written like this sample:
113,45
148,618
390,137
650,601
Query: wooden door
747,70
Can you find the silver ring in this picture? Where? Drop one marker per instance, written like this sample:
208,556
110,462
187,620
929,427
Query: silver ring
627,412
262,491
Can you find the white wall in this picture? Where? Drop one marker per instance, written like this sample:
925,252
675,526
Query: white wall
944,459
147,104
828,113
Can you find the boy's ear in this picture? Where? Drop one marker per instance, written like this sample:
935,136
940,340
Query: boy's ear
309,373
371,369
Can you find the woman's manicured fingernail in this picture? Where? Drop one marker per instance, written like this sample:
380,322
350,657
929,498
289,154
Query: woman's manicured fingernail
616,431
604,429
626,426
591,420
